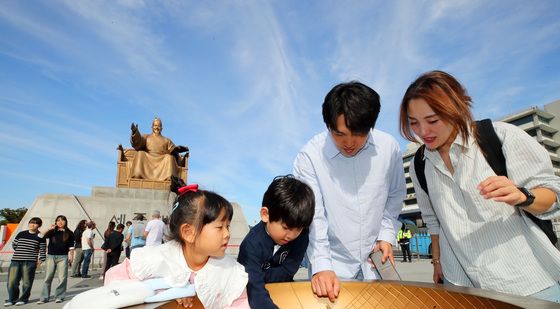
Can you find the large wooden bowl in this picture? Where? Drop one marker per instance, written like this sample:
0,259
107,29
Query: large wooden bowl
386,294
397,294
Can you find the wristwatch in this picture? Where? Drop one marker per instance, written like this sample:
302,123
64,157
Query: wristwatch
530,197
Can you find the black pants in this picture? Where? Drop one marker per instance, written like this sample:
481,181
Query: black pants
406,252
112,260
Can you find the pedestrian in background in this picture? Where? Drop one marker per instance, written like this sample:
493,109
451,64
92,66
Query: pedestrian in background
403,238
87,247
135,233
154,230
126,243
113,247
108,231
78,254
29,252
60,243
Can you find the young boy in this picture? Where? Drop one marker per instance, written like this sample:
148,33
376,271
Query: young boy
274,248
29,252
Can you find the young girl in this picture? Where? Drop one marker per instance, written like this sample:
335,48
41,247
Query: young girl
61,241
481,235
199,227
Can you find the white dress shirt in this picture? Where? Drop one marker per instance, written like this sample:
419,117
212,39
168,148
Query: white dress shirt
483,243
358,200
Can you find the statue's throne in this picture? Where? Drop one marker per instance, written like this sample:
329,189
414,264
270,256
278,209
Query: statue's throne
126,157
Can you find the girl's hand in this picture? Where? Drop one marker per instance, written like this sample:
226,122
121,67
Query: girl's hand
438,273
501,189
187,302
53,226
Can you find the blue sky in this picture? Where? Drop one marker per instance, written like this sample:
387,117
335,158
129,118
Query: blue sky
239,82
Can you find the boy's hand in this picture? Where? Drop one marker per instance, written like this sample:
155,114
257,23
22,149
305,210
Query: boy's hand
325,283
187,302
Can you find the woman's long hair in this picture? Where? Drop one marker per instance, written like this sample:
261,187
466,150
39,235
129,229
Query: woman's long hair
66,233
446,97
109,229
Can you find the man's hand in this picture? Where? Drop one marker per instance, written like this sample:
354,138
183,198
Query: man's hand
387,250
325,283
108,250
187,302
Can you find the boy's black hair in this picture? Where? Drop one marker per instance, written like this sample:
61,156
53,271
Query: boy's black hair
291,201
36,220
120,226
358,103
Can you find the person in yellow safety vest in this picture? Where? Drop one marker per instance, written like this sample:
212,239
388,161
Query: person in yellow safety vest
403,238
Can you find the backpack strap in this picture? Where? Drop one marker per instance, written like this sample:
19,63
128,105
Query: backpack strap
491,146
419,165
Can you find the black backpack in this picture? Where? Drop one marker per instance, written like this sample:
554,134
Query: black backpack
491,147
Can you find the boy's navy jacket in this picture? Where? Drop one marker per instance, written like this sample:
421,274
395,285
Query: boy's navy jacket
255,254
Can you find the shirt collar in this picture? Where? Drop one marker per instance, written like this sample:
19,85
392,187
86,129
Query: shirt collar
270,240
331,151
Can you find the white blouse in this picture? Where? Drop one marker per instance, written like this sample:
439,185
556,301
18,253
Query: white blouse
220,282
483,243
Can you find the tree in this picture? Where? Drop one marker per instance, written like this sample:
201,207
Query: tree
12,215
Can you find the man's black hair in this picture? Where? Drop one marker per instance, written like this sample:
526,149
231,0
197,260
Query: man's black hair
291,201
36,220
358,103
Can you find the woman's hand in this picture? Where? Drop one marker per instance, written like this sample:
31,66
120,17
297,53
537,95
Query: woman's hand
186,302
501,189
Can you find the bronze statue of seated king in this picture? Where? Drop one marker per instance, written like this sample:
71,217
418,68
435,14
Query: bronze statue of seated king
152,161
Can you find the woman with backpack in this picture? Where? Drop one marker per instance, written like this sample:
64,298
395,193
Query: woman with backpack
481,234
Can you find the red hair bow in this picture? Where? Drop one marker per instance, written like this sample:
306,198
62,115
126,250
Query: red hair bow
192,187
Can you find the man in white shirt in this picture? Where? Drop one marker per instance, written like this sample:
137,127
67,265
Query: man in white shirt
87,247
356,174
154,230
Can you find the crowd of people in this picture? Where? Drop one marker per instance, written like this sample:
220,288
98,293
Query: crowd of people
65,252
341,204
